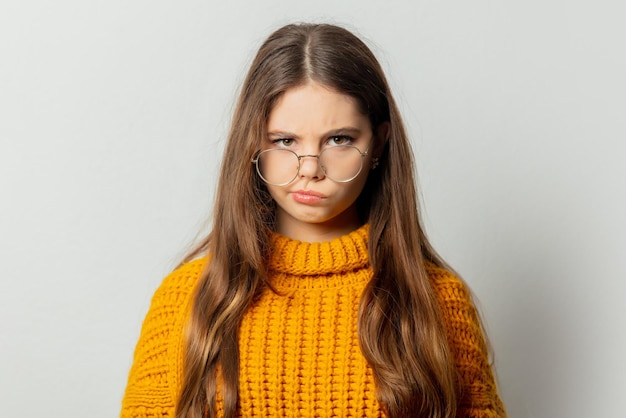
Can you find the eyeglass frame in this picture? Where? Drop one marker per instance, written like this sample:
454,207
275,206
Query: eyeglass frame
255,161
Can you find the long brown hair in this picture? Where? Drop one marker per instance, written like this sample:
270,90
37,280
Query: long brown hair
400,328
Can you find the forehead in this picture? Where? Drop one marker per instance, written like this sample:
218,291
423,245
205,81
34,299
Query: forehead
313,108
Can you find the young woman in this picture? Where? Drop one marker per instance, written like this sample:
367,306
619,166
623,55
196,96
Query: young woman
317,293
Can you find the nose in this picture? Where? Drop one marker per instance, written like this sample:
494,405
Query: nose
310,166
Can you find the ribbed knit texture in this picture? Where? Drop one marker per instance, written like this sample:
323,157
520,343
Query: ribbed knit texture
299,350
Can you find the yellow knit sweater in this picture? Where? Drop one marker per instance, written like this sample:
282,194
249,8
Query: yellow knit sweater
299,352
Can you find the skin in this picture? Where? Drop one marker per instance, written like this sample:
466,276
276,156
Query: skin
307,118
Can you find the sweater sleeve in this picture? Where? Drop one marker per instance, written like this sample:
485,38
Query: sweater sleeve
478,391
155,375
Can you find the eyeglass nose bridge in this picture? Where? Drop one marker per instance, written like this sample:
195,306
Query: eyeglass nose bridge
300,157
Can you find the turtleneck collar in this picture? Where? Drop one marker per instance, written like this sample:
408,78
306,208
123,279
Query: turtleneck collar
340,255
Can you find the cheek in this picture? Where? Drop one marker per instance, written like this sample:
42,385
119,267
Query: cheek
357,185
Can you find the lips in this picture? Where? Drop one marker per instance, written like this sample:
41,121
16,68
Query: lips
307,196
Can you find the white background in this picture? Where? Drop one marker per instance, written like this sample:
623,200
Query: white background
112,121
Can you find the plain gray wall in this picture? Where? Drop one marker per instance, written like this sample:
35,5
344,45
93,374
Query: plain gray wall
112,121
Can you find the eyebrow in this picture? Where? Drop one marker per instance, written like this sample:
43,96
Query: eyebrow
281,134
333,132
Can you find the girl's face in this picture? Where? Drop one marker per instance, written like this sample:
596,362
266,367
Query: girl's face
307,120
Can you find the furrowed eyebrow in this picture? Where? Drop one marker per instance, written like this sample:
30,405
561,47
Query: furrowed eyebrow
333,132
343,131
281,134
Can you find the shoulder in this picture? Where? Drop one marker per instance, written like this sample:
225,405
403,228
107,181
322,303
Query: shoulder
448,287
180,283
171,298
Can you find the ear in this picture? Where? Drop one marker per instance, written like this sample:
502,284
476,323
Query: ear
382,136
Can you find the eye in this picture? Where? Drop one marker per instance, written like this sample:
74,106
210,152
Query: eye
284,142
340,140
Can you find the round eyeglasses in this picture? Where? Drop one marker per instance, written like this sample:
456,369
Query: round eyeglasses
279,167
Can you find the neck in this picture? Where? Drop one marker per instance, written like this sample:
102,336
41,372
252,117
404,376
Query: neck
336,227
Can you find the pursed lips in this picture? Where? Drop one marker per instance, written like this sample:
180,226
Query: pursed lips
307,196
